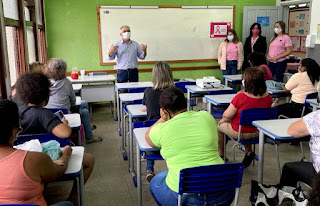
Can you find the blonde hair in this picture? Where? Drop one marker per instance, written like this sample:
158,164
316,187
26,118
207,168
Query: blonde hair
162,75
36,67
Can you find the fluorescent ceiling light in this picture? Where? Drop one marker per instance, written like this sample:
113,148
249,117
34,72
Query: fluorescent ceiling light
292,6
302,5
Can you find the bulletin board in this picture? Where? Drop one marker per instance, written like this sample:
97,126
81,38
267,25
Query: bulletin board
172,34
299,29
299,23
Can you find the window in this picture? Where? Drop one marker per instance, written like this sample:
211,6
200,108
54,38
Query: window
11,34
25,40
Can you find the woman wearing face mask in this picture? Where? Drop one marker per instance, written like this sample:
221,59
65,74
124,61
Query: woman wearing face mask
230,55
299,85
254,43
279,47
254,96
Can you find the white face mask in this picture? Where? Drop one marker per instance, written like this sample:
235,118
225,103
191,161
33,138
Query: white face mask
243,83
126,35
277,30
230,38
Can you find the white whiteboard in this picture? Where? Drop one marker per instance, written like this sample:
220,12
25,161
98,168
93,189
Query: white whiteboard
172,34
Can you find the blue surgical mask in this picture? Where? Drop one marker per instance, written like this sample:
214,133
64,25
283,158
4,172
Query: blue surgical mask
230,38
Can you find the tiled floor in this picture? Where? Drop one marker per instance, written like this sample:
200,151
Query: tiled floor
111,183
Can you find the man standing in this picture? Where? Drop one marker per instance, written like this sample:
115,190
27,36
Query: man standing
127,52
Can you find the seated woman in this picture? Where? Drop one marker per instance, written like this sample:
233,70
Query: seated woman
31,169
161,78
255,95
293,172
257,59
62,95
187,139
33,90
300,85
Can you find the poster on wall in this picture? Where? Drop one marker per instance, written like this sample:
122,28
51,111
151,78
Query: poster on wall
264,21
318,31
303,44
299,23
295,43
219,29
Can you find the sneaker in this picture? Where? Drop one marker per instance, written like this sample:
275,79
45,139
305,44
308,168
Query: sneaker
248,159
149,175
94,139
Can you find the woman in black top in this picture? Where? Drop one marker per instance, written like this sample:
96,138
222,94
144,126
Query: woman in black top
254,43
161,78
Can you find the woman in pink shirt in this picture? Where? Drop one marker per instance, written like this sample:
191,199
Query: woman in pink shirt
230,54
279,47
23,173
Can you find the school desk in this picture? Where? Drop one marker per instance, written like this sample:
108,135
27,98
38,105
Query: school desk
218,100
233,79
274,129
199,92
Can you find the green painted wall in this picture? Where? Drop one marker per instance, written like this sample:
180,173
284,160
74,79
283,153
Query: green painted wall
72,32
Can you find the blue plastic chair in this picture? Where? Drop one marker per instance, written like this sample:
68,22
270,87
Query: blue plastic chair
136,90
44,137
247,116
211,178
309,96
54,110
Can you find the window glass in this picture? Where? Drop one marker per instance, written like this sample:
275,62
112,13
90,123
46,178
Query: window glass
31,45
10,9
12,47
40,12
27,14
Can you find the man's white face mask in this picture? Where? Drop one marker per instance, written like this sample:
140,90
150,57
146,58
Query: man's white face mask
126,35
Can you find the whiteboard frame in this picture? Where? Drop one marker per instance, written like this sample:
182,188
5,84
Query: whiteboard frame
152,7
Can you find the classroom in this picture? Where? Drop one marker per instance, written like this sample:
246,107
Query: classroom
106,102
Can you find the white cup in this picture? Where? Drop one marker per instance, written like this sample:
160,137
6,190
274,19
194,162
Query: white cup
82,72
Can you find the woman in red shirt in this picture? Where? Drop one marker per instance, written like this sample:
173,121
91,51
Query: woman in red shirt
255,95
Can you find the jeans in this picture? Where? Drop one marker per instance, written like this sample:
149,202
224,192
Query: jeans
85,119
130,75
232,69
150,164
278,69
163,195
292,172
64,203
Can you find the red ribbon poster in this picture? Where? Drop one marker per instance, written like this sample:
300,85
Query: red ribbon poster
220,29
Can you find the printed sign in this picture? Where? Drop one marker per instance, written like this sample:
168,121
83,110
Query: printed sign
219,30
295,43
263,20
303,44
318,31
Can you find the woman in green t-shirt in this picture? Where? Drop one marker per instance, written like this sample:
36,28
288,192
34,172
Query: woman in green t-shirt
187,139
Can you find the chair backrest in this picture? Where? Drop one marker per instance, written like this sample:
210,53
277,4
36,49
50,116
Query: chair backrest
97,73
223,92
147,123
254,114
182,85
210,178
309,96
136,90
44,137
54,110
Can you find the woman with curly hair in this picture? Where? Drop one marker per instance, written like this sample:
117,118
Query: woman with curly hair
33,90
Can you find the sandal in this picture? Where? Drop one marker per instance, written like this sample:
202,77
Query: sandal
93,127
99,139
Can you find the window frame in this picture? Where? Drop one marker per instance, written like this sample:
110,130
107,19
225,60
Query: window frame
39,33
